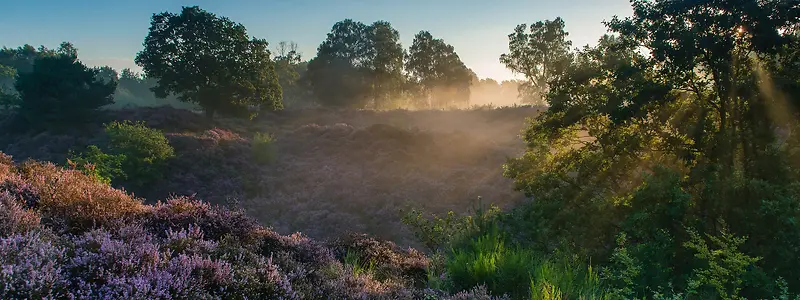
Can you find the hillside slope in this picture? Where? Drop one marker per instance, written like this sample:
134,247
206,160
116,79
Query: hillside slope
65,236
335,171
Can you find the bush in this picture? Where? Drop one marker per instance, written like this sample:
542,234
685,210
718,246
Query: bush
146,150
264,148
14,218
61,90
101,166
71,200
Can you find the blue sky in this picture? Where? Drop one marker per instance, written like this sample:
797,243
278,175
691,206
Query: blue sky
111,32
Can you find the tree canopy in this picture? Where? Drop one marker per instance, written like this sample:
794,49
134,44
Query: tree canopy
59,89
539,51
436,68
672,139
210,61
357,65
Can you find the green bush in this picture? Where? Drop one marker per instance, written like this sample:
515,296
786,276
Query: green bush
101,166
146,150
264,148
439,233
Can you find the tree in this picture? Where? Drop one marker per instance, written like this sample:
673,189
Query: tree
436,67
386,68
21,59
289,66
677,123
357,65
540,52
210,61
107,74
60,89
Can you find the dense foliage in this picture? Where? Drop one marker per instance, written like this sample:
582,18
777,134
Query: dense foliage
59,90
682,156
210,61
665,167
442,78
540,52
144,150
358,65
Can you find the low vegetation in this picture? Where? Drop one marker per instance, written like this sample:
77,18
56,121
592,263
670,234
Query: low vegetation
66,235
665,165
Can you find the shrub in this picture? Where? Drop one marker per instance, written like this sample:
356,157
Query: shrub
61,90
101,166
438,233
264,148
75,199
32,268
146,150
14,218
21,191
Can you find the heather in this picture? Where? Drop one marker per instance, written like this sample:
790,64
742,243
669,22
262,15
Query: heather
331,171
103,243
661,162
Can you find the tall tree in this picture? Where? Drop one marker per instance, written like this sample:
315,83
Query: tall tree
357,65
337,74
540,52
436,67
210,61
289,66
386,68
60,89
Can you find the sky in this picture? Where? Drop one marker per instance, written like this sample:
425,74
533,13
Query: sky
111,32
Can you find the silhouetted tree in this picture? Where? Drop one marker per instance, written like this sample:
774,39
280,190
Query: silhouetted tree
60,89
107,74
210,61
289,66
357,65
436,67
541,53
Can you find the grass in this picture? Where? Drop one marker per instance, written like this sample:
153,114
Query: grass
264,148
360,267
520,273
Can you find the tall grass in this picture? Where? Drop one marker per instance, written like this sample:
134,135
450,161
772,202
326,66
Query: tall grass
518,272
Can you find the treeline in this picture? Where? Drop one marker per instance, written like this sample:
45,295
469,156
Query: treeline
196,59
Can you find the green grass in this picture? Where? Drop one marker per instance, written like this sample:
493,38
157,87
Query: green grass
264,148
360,267
520,273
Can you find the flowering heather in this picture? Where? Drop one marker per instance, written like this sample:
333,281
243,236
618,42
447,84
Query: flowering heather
32,267
20,190
74,198
95,242
14,218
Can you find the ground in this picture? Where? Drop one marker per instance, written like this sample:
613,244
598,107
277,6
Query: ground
335,171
